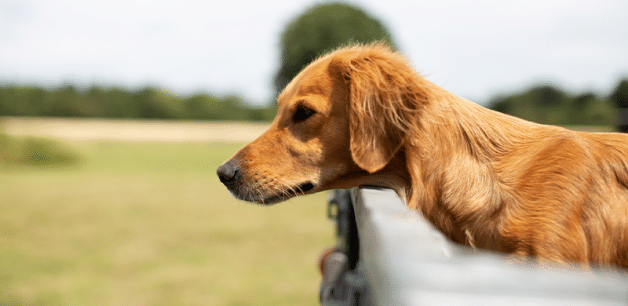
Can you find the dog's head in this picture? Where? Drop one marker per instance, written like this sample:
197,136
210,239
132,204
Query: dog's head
339,120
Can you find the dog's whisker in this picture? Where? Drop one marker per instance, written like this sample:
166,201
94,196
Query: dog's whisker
260,197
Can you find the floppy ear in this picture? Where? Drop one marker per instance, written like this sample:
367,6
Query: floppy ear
372,147
384,104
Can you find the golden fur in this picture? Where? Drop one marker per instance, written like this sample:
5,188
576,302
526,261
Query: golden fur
362,115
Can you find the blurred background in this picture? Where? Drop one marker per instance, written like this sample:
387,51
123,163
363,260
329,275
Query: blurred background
114,116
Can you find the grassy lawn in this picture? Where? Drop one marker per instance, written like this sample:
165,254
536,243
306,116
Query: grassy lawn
150,224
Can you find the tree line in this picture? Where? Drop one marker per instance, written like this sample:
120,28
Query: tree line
543,104
550,105
146,103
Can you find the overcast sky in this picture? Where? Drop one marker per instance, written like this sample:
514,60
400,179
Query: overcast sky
475,49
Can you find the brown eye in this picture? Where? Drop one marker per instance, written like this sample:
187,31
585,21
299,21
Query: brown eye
302,113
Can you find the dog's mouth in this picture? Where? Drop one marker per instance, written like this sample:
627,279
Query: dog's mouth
301,189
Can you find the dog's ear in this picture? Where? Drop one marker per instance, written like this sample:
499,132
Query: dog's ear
384,103
372,147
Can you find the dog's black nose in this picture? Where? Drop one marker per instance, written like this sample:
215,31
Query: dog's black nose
227,172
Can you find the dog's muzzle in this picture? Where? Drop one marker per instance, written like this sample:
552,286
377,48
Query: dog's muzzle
234,178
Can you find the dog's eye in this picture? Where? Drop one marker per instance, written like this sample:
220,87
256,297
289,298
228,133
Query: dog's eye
302,113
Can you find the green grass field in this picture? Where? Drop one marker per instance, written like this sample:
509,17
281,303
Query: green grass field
150,224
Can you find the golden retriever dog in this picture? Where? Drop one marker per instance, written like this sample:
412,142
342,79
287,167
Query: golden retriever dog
362,116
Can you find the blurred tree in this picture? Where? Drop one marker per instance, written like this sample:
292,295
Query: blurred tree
620,95
197,107
119,103
153,103
63,102
503,105
149,105
209,107
620,99
547,95
583,101
549,105
322,28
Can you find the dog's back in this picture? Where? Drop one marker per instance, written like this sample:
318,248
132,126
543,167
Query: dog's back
536,190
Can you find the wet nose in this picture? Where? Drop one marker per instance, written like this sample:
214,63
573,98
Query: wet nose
228,172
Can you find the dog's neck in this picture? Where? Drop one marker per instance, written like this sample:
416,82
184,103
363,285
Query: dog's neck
394,176
451,158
